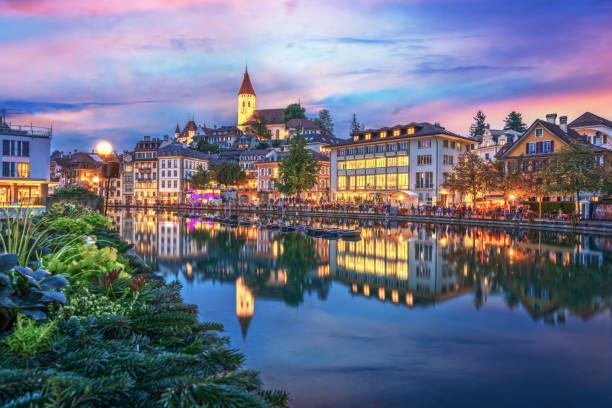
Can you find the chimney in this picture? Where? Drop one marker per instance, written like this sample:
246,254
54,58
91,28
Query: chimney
552,118
148,138
563,123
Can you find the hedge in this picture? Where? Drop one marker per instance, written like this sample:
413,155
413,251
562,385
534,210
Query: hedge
568,207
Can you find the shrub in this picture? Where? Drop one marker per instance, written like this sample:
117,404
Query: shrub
84,303
73,192
67,225
552,207
21,236
82,262
25,291
29,337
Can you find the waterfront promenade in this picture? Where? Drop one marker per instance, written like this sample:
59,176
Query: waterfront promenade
599,227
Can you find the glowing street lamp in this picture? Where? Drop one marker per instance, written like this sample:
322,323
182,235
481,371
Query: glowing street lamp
104,149
96,179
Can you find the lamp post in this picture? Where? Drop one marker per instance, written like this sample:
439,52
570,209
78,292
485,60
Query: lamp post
105,149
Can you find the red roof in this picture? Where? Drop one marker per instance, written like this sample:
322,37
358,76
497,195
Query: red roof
246,88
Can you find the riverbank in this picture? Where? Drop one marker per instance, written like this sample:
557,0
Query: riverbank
583,226
90,325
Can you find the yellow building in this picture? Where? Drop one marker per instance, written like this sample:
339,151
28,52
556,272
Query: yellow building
245,305
246,101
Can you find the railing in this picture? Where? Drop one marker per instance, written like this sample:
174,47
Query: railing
30,130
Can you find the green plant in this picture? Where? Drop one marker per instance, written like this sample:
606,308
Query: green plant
25,291
30,337
99,221
73,192
20,235
82,262
67,225
84,303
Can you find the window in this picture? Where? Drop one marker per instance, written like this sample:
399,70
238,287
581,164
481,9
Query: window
352,182
163,184
391,180
424,160
350,164
539,132
359,164
372,149
175,173
381,148
341,183
410,131
531,148
445,143
361,182
370,181
370,163
391,161
403,146
396,132
175,183
361,150
424,180
403,160
548,146
6,147
392,147
13,169
380,162
448,159
383,134
163,164
423,252
368,136
356,137
425,144
380,181
403,180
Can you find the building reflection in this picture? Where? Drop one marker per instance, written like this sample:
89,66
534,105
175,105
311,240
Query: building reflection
548,275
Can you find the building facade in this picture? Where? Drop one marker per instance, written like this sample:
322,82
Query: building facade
400,164
176,165
145,171
595,129
493,140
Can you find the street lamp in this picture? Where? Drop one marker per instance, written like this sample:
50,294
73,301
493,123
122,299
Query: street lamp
105,149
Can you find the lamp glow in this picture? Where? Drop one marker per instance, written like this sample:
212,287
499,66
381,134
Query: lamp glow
96,179
104,148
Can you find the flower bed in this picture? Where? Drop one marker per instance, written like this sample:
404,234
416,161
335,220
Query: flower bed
84,323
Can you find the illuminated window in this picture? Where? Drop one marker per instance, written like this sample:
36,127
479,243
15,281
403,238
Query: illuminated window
370,163
380,181
403,160
391,180
403,180
370,181
350,164
383,134
368,136
361,182
391,161
410,131
502,142
396,132
342,165
359,164
342,183
380,162
352,182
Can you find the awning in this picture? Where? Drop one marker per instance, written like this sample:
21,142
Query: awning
403,193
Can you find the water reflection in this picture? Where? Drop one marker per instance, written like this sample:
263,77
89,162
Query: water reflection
411,265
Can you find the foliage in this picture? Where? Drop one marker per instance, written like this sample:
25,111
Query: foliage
205,147
552,207
293,111
356,127
514,121
470,175
82,262
99,221
229,174
30,337
200,179
325,121
479,126
262,145
21,236
25,291
85,303
573,170
299,170
73,192
259,128
67,225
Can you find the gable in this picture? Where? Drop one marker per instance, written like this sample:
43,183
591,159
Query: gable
519,147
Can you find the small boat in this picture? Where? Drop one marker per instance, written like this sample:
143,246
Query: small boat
288,228
245,221
331,233
272,226
350,234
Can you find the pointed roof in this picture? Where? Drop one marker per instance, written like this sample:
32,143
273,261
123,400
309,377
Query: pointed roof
590,119
178,130
246,88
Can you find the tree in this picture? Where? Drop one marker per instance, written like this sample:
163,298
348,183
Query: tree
299,170
262,145
573,171
514,121
356,127
200,179
259,128
293,111
229,174
479,126
470,175
325,121
205,147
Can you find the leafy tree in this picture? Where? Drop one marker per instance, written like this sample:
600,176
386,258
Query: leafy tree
325,121
478,128
262,145
573,171
298,171
470,176
356,126
200,179
293,111
229,174
258,128
205,147
514,121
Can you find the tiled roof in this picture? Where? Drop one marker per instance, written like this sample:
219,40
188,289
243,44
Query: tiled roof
246,88
305,124
272,116
590,119
420,129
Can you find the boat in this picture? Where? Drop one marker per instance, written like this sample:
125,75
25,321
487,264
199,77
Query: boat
245,221
272,226
350,234
331,233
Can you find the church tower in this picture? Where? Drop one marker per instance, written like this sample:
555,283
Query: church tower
246,99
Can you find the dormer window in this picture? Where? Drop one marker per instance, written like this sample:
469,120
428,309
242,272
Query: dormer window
410,131
383,134
356,137
539,132
396,132
368,136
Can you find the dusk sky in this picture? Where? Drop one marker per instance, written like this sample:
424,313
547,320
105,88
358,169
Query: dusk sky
122,69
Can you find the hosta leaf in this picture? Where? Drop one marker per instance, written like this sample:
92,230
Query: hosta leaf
39,274
34,314
54,281
8,261
51,295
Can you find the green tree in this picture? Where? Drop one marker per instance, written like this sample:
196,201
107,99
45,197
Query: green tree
205,147
325,121
574,171
479,126
299,170
356,127
514,121
229,174
259,128
469,176
293,111
200,179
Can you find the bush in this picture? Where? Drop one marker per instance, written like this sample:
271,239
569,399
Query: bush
73,192
552,207
84,303
67,225
81,263
29,337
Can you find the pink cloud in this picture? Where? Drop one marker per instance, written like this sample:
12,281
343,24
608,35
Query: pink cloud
82,7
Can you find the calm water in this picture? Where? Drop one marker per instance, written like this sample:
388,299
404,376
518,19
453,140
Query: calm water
411,315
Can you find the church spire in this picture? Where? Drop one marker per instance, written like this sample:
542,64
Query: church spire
246,88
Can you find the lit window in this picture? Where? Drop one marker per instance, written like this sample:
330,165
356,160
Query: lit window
380,162
356,137
368,136
396,132
383,134
410,131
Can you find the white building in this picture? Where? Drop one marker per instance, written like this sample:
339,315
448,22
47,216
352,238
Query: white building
26,152
493,140
176,164
396,164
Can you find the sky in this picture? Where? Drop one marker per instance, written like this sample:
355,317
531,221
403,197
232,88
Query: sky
118,70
